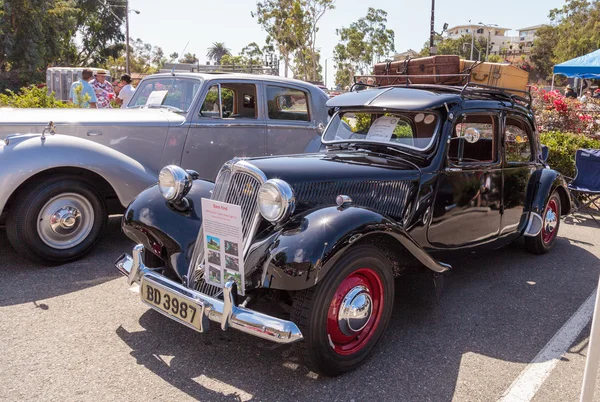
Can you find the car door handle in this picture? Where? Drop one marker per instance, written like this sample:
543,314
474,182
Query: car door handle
93,133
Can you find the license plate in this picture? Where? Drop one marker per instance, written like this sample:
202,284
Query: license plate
174,305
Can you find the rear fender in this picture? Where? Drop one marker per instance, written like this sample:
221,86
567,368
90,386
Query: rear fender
26,156
304,250
541,186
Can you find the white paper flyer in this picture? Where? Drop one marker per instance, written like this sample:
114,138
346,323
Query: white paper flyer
382,129
223,241
156,98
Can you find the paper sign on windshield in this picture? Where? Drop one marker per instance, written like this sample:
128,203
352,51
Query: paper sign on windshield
156,98
223,241
382,129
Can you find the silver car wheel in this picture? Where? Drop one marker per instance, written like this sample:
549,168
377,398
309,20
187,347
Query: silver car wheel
65,221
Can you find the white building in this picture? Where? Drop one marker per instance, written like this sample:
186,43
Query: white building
524,42
497,36
500,41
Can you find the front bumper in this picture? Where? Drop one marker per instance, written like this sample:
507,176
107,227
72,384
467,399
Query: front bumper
225,312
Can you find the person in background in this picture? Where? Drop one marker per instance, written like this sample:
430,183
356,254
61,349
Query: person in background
371,82
597,94
570,92
586,96
126,91
359,84
78,96
104,90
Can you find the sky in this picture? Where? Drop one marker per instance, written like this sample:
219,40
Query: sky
171,24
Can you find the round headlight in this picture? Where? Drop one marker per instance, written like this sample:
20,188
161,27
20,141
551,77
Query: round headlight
276,200
174,182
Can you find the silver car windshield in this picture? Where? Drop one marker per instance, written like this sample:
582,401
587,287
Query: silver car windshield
415,130
173,93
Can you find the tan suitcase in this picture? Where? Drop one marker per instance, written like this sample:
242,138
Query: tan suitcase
497,75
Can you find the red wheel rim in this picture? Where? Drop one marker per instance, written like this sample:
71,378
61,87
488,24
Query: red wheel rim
340,340
550,226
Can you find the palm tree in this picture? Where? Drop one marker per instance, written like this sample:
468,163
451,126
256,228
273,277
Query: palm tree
217,51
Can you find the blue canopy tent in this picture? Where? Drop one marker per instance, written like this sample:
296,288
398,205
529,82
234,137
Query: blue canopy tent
587,66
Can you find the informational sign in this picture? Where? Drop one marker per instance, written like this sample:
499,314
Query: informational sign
382,129
156,97
223,241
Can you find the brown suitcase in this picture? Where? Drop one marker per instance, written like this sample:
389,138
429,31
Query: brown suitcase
423,70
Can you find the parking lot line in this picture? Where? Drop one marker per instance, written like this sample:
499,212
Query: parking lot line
531,379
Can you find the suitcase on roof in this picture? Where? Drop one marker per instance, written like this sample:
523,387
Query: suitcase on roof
423,70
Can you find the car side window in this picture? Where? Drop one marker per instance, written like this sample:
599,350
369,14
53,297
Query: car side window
229,101
517,141
287,104
474,140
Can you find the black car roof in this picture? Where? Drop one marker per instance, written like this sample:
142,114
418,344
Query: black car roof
395,98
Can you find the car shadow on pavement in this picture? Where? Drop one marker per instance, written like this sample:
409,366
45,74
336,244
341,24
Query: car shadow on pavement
504,305
23,281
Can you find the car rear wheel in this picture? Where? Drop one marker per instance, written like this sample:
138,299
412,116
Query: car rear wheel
543,242
343,317
56,221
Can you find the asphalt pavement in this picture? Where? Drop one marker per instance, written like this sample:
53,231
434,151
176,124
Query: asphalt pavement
77,333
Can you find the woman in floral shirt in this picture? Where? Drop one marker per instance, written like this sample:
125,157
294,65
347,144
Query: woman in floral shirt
103,89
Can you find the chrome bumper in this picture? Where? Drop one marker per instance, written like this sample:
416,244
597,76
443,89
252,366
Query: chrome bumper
224,312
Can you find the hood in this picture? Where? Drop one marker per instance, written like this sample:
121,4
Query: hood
11,117
370,179
336,166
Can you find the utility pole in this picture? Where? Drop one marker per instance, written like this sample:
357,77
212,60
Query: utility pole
472,39
127,37
487,46
432,49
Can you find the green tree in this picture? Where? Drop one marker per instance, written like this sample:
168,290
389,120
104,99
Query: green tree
574,31
292,27
460,46
362,43
189,58
34,33
217,51
38,33
144,59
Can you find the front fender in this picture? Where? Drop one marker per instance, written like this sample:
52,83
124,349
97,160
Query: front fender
305,249
165,230
26,156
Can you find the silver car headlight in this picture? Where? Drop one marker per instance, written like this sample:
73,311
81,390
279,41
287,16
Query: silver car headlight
276,200
174,182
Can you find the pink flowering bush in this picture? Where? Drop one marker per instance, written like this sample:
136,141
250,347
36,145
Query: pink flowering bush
555,112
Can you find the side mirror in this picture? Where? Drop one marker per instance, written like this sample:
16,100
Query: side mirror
545,153
320,128
471,135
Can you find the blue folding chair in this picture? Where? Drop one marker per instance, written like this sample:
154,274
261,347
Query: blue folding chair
586,185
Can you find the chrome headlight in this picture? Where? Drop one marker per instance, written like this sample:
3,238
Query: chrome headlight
174,182
276,200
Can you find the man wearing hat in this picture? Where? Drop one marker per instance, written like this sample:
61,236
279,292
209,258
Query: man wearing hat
570,92
104,90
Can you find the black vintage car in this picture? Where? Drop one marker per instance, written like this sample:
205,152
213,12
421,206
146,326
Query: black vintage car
407,174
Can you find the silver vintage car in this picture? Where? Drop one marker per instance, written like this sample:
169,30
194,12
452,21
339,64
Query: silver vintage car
59,182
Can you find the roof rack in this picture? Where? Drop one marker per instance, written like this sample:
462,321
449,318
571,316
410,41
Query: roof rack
458,83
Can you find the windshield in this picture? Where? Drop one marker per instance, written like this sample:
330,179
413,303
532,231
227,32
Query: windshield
414,130
176,93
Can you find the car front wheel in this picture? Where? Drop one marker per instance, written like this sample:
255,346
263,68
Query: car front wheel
56,221
343,317
543,242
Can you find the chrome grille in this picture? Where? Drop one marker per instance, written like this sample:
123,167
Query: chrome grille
388,197
237,183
